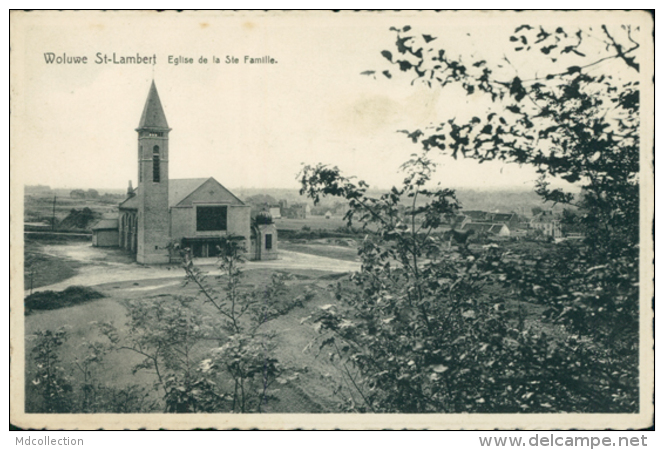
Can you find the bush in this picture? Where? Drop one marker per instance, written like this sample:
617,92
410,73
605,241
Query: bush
55,387
71,296
423,327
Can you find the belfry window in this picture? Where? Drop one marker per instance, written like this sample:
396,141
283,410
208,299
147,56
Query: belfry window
140,164
155,164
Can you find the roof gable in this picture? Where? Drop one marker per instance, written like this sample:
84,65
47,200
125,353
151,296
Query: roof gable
179,189
502,217
498,227
477,226
184,193
476,215
485,227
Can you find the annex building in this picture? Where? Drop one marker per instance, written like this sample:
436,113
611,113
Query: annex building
194,213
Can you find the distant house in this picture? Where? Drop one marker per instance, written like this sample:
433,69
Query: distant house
511,219
275,212
548,223
105,233
495,229
296,211
477,216
459,220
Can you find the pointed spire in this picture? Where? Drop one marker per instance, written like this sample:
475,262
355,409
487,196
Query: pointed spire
153,114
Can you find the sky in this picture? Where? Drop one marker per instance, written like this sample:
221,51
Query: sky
73,125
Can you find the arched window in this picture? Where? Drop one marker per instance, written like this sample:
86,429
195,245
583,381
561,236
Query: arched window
155,164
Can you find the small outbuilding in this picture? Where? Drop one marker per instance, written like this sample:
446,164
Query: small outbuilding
263,238
105,233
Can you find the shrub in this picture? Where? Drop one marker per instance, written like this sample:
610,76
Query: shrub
419,330
47,300
51,384
53,387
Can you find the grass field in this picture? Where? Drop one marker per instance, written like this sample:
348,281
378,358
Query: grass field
328,251
313,222
40,208
42,269
311,393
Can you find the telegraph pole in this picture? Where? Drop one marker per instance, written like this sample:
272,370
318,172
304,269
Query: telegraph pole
53,219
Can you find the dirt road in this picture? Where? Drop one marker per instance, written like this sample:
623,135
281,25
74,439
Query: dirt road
106,266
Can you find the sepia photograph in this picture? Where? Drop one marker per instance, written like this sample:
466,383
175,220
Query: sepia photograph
318,220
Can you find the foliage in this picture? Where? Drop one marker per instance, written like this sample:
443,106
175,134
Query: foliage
244,356
307,233
167,332
79,219
77,193
51,381
573,123
425,326
73,295
570,222
59,387
207,362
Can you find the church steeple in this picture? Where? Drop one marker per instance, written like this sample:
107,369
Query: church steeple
153,214
153,116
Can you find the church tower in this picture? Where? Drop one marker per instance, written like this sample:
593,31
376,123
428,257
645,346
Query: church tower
153,233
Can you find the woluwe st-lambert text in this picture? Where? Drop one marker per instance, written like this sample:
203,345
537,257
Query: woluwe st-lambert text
100,58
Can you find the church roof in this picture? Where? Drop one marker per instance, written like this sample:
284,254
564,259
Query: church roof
153,114
131,202
182,189
185,192
179,189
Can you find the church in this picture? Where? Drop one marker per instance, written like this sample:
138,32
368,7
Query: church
193,213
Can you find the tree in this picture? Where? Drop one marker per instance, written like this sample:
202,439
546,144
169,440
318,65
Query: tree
55,387
77,193
167,333
417,324
243,363
51,382
570,123
416,330
209,362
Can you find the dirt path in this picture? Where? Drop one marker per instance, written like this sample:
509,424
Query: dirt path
108,266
